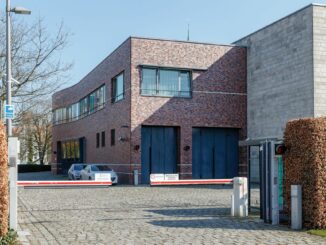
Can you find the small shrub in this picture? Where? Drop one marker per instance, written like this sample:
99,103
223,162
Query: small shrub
10,238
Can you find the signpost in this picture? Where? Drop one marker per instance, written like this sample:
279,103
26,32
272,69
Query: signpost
9,112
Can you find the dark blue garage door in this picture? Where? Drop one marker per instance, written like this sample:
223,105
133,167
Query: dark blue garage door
158,151
215,153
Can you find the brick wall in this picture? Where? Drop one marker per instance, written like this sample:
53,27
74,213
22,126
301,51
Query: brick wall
112,116
226,72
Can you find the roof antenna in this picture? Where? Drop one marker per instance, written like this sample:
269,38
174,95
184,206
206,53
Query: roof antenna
188,33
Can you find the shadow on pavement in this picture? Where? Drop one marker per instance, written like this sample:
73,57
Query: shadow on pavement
221,222
193,212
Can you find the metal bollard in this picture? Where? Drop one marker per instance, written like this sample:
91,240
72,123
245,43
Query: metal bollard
135,177
296,207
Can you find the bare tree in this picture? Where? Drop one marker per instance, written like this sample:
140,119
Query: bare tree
36,62
35,133
37,65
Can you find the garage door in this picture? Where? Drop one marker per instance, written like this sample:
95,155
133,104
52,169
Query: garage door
215,153
158,151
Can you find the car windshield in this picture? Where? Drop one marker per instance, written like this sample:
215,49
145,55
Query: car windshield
79,167
101,168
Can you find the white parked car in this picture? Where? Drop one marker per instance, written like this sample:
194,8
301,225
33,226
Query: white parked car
88,173
74,171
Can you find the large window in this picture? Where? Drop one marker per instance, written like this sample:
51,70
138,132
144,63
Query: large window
166,82
100,97
117,88
91,103
83,107
59,115
70,150
74,112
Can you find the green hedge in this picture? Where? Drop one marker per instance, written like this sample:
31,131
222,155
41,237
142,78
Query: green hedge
25,168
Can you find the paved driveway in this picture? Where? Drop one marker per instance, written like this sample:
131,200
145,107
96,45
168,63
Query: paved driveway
143,215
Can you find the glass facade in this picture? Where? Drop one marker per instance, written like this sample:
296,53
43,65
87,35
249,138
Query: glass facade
166,82
154,82
89,104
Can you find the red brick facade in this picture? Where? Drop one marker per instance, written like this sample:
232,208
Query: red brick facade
218,100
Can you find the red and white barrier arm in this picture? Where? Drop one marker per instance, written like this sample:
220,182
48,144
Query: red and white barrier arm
63,183
192,182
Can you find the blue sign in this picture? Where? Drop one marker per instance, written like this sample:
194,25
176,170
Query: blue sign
9,111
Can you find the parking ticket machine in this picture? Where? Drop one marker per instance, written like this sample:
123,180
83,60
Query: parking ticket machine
270,177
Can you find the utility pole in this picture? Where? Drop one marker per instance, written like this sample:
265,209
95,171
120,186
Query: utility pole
12,166
13,145
8,70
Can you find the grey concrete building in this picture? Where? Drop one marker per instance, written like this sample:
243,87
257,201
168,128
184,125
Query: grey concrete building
286,74
286,71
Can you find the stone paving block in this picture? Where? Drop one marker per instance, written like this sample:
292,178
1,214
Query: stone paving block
144,215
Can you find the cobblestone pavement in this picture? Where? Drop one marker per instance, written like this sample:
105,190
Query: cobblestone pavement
143,215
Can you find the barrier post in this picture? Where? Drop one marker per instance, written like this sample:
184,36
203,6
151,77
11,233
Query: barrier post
296,207
135,177
240,197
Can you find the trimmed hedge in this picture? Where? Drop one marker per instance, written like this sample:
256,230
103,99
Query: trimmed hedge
305,164
26,168
3,182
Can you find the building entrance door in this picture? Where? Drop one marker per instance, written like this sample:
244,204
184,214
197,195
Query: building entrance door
214,153
158,151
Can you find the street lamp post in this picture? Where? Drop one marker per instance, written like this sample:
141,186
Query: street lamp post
8,71
13,167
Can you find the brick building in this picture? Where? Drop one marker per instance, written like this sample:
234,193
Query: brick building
158,106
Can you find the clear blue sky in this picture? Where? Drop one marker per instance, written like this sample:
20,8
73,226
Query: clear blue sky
99,26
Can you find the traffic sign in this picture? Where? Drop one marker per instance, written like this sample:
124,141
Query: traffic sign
9,111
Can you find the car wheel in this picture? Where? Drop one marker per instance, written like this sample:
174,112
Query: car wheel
90,178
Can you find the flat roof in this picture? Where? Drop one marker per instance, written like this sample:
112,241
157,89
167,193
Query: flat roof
184,41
